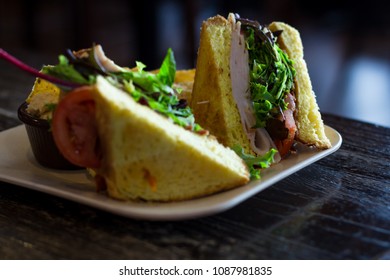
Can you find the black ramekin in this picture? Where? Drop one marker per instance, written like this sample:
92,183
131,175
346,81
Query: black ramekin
42,143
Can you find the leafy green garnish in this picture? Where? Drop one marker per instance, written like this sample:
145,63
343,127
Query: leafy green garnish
256,163
66,71
156,91
151,89
168,69
271,72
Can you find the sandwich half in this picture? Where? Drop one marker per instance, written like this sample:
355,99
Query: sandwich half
252,88
146,156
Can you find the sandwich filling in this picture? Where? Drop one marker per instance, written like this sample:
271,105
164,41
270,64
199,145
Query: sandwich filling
258,137
263,87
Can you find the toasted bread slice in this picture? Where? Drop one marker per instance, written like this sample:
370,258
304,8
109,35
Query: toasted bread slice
147,157
212,101
308,118
213,104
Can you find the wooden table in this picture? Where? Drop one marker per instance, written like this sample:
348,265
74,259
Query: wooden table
336,208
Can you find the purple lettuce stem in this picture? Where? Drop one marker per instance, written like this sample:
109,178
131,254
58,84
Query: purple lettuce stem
26,68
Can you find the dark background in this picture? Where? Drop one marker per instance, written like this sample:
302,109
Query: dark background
347,43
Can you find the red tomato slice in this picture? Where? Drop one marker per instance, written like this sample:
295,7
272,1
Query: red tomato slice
74,128
284,146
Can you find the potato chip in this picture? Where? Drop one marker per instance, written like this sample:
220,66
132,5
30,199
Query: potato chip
41,86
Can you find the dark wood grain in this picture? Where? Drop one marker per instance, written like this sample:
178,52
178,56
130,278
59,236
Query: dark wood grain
336,208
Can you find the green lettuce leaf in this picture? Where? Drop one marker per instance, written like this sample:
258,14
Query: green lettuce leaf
66,71
156,91
168,69
255,164
271,75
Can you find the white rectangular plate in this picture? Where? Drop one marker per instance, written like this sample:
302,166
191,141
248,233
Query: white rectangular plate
17,166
